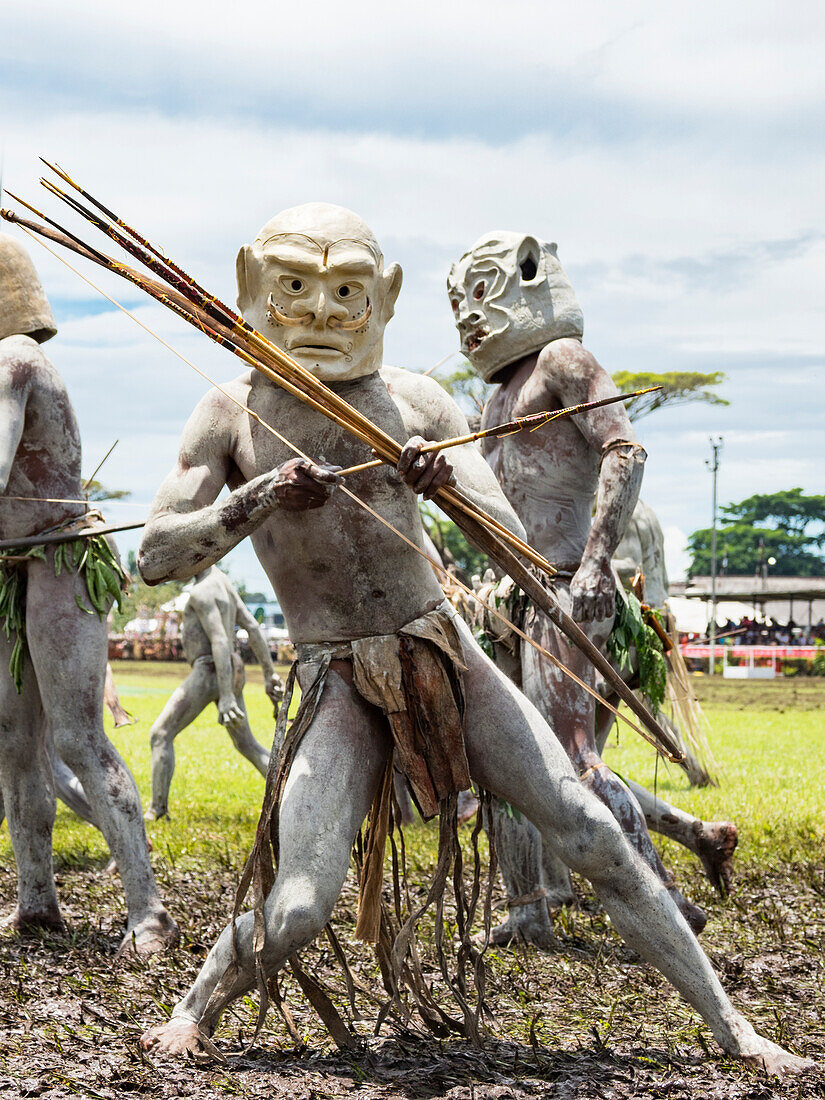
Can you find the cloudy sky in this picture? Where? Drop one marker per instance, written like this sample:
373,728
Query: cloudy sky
674,151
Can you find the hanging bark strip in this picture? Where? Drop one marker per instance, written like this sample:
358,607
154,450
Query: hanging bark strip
224,326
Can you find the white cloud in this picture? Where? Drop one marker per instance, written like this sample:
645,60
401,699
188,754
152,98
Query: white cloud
670,150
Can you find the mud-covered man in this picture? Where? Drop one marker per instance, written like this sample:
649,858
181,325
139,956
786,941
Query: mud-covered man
59,693
521,327
212,613
354,595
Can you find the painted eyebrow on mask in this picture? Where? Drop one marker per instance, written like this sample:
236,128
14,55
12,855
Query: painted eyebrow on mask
310,267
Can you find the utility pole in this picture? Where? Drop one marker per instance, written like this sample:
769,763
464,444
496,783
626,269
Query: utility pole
713,466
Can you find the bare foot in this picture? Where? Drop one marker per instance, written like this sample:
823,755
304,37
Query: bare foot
19,920
715,845
696,917
526,924
153,935
179,1036
775,1060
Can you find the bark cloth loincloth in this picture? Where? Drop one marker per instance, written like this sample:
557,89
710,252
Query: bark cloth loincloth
414,677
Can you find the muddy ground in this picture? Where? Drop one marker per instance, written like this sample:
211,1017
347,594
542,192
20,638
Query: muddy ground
588,1020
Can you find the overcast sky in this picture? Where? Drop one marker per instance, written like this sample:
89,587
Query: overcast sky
674,151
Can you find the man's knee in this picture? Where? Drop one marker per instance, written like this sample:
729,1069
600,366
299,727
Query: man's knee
590,840
296,920
159,738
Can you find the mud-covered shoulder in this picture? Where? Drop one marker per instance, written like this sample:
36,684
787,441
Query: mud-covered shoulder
216,417
21,358
567,361
426,407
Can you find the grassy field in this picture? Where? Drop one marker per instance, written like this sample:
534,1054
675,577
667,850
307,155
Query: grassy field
587,1020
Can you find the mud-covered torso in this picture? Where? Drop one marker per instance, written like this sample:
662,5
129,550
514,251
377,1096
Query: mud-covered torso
214,591
47,460
550,476
338,573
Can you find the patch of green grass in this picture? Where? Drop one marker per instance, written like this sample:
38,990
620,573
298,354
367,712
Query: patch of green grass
216,794
771,756
771,763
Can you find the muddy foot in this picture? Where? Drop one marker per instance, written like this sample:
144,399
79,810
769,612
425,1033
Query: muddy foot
21,921
153,935
527,924
715,847
775,1060
696,917
179,1036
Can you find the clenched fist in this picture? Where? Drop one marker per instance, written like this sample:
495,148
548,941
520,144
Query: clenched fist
424,473
300,485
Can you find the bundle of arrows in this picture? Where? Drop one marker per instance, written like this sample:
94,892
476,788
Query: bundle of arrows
180,293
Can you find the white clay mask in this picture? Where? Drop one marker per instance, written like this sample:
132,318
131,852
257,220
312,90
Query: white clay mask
510,296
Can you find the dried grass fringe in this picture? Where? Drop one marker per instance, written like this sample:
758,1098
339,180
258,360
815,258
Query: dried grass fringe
408,991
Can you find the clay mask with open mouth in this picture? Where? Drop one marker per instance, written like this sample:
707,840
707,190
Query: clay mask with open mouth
510,296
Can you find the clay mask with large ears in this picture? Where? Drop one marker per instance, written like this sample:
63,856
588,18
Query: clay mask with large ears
510,297
24,308
314,283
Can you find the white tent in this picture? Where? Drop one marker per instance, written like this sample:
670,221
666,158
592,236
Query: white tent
693,616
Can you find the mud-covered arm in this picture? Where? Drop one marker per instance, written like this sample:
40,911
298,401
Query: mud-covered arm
209,617
188,528
247,621
573,375
431,414
14,394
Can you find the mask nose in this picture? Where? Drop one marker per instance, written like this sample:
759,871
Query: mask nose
323,306
468,318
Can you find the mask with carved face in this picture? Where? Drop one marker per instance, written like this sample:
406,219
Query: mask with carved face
510,297
24,308
314,283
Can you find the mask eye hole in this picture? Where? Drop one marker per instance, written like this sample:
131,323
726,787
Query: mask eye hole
478,291
529,268
344,291
292,284
347,291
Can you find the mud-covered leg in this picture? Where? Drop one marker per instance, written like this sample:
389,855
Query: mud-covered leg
513,753
69,789
338,766
27,797
714,842
182,708
68,653
571,713
520,857
242,738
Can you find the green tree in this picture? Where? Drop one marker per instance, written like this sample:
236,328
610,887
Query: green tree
95,491
455,550
788,526
467,390
678,388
